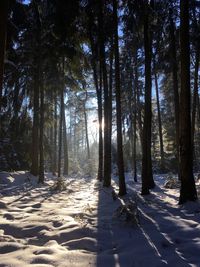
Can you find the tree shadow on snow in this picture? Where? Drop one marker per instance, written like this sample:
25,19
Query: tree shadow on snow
121,244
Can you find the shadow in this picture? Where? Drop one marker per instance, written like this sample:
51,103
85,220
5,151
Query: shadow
123,245
158,235
107,254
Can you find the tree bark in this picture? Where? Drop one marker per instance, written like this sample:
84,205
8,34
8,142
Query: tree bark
110,107
41,169
54,163
86,126
65,144
4,4
107,159
134,128
147,175
60,131
195,96
188,189
162,165
98,86
99,102
175,88
120,159
37,77
138,107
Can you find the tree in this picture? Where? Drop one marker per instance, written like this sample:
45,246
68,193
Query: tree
37,79
54,163
4,4
120,160
61,118
41,166
65,144
159,116
188,189
103,68
86,122
147,176
97,77
174,69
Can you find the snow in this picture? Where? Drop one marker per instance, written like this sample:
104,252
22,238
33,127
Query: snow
84,226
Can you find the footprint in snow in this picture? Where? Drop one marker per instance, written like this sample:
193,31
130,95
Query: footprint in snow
37,205
57,224
8,216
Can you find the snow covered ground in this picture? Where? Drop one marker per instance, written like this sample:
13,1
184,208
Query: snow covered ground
83,226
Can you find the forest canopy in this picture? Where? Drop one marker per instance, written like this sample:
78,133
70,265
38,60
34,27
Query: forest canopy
101,87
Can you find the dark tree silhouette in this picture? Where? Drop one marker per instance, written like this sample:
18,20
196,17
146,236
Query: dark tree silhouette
188,189
120,159
4,4
147,176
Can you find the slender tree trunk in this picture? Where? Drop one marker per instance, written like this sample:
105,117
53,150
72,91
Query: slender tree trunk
159,118
147,175
188,189
35,134
175,88
37,77
110,108
138,106
120,160
134,129
98,86
86,127
195,96
51,140
75,138
99,102
107,159
41,169
65,144
60,131
16,109
54,163
132,103
4,4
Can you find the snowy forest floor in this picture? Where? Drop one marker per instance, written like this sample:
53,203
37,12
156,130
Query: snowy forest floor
83,226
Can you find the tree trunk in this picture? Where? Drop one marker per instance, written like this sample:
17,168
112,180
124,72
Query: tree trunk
162,165
99,102
132,103
188,189
60,131
175,88
41,170
54,163
86,125
37,77
147,176
120,159
110,109
51,139
195,96
16,109
35,133
134,128
98,86
138,107
65,144
107,159
4,4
